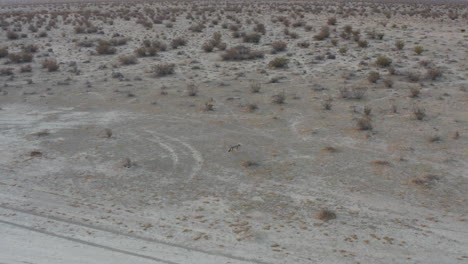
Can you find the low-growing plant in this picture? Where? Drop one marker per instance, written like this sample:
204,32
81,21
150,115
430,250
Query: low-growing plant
363,43
279,46
414,92
373,77
418,50
178,42
383,61
12,35
241,53
127,59
331,21
279,98
280,62
419,112
399,44
20,57
105,48
163,69
353,92
252,38
434,73
323,34
364,123
50,64
3,52
255,87
192,89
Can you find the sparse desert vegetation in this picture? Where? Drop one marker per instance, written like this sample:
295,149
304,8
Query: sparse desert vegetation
233,132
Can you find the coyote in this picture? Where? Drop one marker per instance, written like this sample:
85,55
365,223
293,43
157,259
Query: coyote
235,147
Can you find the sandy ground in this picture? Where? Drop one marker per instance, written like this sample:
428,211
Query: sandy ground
69,195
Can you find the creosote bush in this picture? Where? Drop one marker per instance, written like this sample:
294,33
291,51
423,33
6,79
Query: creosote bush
20,57
252,38
178,42
323,34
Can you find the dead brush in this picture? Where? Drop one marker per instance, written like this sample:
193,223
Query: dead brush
279,46
248,164
414,92
127,59
364,123
425,181
251,107
192,89
279,98
163,69
434,138
327,103
419,112
353,92
325,215
209,105
329,149
50,64
255,87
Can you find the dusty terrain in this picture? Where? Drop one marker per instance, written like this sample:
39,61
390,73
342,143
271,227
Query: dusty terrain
110,159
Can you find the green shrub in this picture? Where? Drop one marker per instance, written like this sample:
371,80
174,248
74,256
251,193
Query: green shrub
418,50
383,61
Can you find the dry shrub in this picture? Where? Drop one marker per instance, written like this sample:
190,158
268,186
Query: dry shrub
434,73
419,112
388,83
434,138
12,35
303,44
163,69
192,89
3,52
332,21
399,44
279,63
414,76
241,53
353,92
279,46
323,34
248,163
209,105
380,163
325,215
329,149
414,92
383,61
178,42
364,123
425,181
26,68
20,57
252,38
118,41
418,50
363,43
127,59
373,77
50,64
279,98
6,71
255,87
251,107
105,48
31,48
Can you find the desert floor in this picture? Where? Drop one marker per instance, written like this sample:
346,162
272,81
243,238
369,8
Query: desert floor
103,162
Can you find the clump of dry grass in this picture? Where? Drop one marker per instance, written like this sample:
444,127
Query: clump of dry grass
399,44
434,73
414,92
251,107
325,215
434,138
252,38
